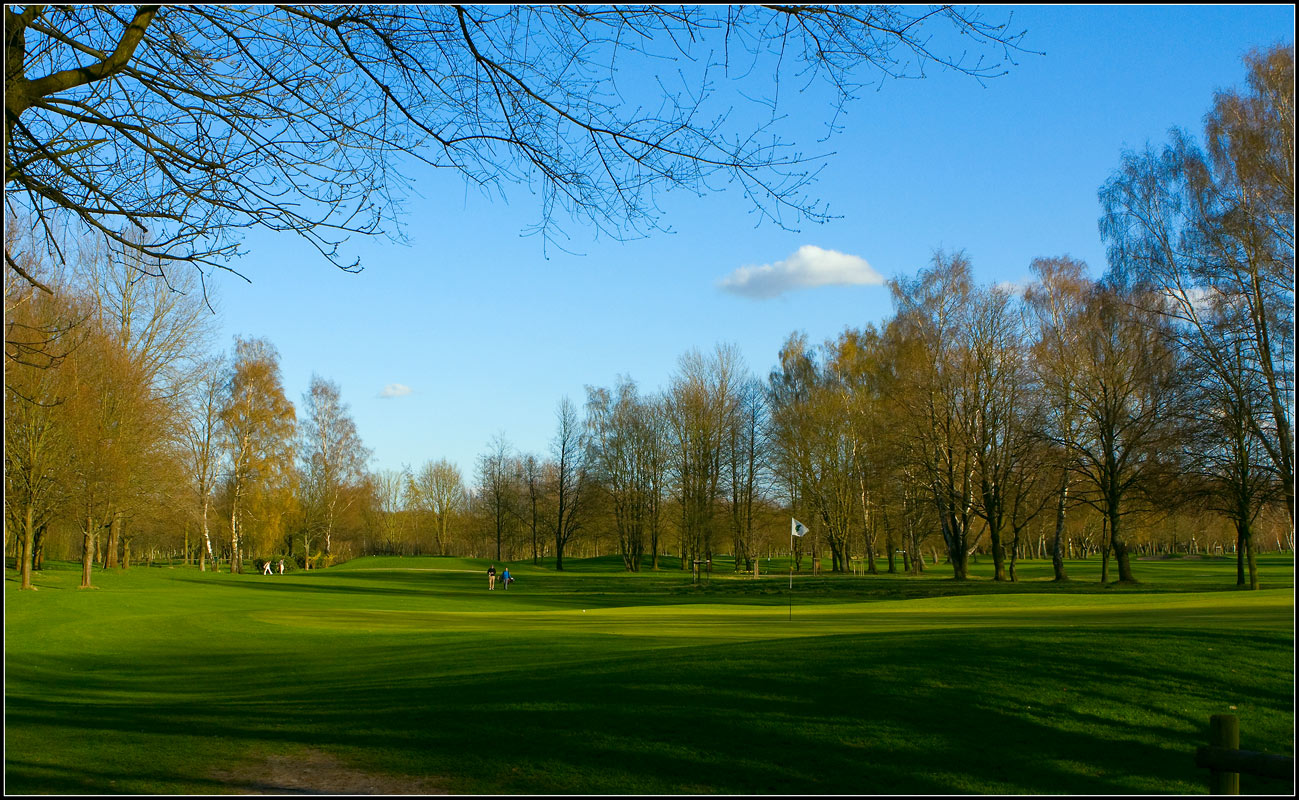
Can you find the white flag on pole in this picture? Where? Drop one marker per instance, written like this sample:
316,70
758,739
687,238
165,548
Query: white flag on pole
798,528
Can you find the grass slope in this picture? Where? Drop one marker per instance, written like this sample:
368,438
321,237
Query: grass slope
598,681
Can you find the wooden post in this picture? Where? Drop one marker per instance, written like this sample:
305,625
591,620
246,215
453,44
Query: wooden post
1224,731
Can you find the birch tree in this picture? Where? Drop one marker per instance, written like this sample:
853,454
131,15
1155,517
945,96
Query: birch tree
258,424
332,455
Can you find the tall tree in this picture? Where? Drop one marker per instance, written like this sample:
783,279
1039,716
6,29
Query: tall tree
203,444
532,476
439,490
1209,236
333,458
258,422
109,421
814,436
389,486
1126,388
1055,303
701,400
567,451
998,393
931,320
196,122
745,456
496,487
162,328
36,435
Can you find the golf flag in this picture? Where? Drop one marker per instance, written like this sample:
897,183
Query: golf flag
798,528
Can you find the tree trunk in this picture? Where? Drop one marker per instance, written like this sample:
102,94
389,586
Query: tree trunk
114,540
957,553
235,560
1245,543
998,554
1105,550
87,552
38,549
28,545
1240,554
960,564
1057,554
1120,548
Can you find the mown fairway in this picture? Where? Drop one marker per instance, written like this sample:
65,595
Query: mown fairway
408,673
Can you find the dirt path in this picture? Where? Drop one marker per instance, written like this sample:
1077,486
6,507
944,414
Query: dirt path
314,772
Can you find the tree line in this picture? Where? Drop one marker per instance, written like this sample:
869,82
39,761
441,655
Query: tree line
1144,412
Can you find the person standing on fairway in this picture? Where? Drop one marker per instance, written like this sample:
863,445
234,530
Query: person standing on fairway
266,569
505,577
281,566
491,577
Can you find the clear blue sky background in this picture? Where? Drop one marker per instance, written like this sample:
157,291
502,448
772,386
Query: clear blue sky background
489,331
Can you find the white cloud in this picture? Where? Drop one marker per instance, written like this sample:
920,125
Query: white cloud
808,267
395,390
1013,288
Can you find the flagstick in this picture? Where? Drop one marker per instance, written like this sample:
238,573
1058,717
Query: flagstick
791,572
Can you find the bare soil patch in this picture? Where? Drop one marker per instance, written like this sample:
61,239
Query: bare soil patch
314,772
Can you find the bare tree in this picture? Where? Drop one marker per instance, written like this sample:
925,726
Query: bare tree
999,391
624,460
439,490
389,487
570,479
931,322
496,487
814,435
1126,389
700,402
1056,303
203,444
1209,237
333,458
532,476
192,123
745,468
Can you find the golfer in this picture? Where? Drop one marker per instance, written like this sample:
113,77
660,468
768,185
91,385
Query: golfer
266,570
491,577
505,576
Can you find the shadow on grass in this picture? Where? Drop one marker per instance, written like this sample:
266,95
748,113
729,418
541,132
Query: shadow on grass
1046,711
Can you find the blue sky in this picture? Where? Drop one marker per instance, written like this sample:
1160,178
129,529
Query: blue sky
488,329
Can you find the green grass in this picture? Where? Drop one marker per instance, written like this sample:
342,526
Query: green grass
596,681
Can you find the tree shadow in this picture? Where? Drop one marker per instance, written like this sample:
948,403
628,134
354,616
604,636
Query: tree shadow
988,711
